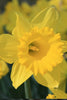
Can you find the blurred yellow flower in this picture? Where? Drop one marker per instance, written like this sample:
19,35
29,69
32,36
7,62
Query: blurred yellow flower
50,96
62,22
10,15
64,4
40,5
26,8
62,25
3,69
60,92
34,48
7,19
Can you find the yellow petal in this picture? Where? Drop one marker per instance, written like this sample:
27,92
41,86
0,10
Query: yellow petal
51,17
22,26
47,17
26,8
65,46
58,72
3,68
62,25
39,17
15,4
46,80
8,48
19,74
59,94
60,91
64,4
53,79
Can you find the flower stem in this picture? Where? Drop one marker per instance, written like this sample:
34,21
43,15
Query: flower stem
27,89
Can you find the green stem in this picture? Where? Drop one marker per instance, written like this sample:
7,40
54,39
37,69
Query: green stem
27,89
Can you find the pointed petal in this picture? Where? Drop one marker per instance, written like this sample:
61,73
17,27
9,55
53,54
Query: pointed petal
19,74
46,80
39,17
8,48
46,18
22,26
51,18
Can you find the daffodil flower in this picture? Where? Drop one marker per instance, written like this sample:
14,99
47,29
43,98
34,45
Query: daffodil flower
35,49
3,69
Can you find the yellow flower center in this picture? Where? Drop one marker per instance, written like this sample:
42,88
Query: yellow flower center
33,49
40,50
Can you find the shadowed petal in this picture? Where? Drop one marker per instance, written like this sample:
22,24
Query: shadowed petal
8,48
54,78
64,46
19,74
46,80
